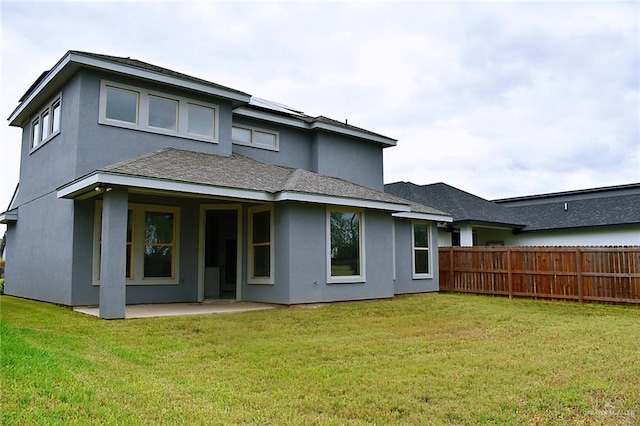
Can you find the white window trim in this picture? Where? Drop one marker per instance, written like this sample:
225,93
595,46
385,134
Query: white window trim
348,278
48,109
142,123
138,243
427,249
255,144
250,278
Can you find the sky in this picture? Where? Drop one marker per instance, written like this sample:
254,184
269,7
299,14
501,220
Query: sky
498,99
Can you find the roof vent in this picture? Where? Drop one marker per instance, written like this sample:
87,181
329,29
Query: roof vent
566,206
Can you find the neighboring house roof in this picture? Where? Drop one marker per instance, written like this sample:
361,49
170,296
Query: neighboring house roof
242,177
596,207
462,206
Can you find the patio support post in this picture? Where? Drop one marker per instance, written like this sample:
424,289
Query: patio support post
113,262
466,236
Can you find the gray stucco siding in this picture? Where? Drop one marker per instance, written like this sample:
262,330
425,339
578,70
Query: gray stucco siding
39,251
53,163
348,158
294,145
405,283
102,144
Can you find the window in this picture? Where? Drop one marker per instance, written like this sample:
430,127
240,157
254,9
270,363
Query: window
260,245
245,135
421,255
150,111
46,124
151,246
346,243
163,113
122,105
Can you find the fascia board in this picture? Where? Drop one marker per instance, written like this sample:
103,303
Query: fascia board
127,70
423,216
9,216
82,186
312,126
245,112
167,79
348,202
353,132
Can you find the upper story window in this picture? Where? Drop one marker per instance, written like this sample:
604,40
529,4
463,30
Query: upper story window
260,138
150,111
46,124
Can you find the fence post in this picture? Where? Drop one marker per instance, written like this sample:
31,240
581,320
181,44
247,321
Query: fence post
579,274
451,274
509,273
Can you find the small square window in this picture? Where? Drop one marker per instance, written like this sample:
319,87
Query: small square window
163,113
241,135
200,121
264,138
122,105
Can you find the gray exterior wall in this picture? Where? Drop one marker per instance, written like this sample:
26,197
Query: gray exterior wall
348,158
405,283
38,264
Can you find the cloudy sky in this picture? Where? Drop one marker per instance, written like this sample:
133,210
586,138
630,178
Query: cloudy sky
496,98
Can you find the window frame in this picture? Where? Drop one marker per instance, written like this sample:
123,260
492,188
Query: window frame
251,279
39,119
138,244
414,248
346,279
252,130
142,124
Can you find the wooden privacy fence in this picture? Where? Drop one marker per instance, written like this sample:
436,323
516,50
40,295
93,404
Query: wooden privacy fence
595,274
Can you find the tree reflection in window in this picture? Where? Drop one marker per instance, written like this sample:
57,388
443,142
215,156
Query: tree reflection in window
159,241
345,243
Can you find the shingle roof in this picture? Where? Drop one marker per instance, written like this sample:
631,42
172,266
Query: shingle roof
462,206
240,172
589,212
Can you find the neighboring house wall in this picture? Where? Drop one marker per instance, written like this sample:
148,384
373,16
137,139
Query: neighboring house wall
614,236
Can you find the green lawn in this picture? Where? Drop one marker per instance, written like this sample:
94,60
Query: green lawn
430,359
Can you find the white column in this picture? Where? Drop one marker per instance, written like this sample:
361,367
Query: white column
466,236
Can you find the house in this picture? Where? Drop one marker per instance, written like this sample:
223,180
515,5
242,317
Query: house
598,216
476,221
139,184
602,216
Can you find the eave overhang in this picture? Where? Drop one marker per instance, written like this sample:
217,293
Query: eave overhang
9,216
424,216
93,184
315,125
73,61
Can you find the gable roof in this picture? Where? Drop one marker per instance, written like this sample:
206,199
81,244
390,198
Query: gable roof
463,206
239,177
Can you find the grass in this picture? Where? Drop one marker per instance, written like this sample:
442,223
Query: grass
429,359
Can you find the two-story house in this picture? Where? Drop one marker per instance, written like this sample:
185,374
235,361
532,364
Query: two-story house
139,184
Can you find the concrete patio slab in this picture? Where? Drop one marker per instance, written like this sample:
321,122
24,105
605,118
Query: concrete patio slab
178,309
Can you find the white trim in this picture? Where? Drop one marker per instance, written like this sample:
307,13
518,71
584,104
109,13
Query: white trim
201,242
348,278
142,112
138,243
428,249
423,216
48,109
393,246
261,115
9,216
81,60
253,144
338,201
263,280
90,182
